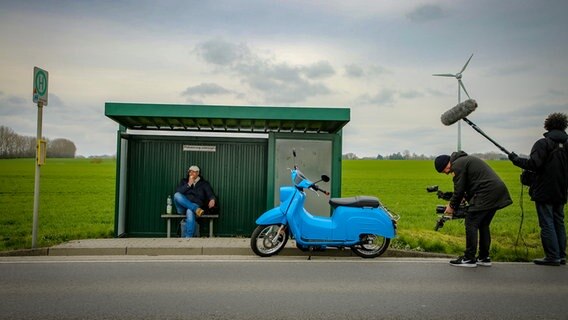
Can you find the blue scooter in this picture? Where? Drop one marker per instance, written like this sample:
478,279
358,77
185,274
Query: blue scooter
361,223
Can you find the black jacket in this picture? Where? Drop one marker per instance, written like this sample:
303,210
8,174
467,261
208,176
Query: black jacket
478,183
550,163
199,194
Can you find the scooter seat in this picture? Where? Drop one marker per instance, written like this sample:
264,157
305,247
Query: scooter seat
357,201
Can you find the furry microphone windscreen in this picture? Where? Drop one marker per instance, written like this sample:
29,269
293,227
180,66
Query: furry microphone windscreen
458,112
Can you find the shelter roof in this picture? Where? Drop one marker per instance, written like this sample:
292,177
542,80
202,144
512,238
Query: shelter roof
218,118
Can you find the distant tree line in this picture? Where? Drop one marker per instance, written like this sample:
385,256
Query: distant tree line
406,155
13,145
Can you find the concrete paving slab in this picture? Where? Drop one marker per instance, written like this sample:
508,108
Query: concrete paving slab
186,246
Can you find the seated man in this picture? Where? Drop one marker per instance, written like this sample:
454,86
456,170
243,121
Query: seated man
192,194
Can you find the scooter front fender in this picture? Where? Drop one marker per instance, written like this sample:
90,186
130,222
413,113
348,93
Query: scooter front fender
272,216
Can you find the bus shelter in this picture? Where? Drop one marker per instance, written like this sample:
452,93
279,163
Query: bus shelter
243,151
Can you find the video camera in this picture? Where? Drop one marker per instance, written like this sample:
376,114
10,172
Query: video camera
460,213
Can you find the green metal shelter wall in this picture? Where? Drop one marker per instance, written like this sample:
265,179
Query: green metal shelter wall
236,170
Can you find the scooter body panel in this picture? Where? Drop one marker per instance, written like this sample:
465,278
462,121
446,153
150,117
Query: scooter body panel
315,228
353,222
277,215
343,229
272,216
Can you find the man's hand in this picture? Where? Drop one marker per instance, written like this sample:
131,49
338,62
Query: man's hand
449,212
513,157
211,203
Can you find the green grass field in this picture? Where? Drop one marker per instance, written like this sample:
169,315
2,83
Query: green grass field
77,202
401,187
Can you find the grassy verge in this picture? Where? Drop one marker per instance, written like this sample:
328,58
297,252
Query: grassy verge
401,186
77,202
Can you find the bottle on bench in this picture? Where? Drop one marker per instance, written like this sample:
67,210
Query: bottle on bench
169,205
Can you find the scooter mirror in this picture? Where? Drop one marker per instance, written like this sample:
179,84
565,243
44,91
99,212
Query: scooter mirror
324,178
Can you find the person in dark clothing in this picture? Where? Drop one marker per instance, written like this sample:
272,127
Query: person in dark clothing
485,193
193,193
549,190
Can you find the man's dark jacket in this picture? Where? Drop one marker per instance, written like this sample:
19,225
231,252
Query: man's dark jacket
551,168
478,183
200,193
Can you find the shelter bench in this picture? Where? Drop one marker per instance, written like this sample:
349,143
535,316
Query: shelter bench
169,218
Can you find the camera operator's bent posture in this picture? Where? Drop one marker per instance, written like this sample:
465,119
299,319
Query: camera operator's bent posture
485,193
549,160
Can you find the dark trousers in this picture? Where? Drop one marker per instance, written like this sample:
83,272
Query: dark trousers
477,228
552,230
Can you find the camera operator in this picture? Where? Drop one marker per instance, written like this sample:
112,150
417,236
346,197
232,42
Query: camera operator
485,193
549,162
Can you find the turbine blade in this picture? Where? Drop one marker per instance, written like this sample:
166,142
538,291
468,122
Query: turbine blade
463,87
465,65
444,75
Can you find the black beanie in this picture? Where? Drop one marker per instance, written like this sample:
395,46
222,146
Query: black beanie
441,162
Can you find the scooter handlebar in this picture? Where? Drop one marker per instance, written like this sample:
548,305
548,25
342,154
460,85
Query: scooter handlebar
317,188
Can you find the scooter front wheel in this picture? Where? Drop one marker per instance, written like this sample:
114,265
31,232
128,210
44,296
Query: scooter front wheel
371,246
268,240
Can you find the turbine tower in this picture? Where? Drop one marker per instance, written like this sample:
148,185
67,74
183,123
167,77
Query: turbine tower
458,76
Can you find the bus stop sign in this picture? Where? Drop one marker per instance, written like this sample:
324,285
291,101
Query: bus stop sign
40,86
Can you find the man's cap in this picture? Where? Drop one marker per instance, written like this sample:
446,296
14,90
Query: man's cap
193,168
441,162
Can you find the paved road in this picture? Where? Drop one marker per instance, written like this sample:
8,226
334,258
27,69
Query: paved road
233,287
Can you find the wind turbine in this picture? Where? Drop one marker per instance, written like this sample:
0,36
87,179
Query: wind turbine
458,76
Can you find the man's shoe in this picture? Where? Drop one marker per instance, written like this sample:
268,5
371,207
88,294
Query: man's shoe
199,212
563,261
485,262
463,262
546,262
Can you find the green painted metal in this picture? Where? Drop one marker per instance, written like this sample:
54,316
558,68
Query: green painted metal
241,170
227,118
236,171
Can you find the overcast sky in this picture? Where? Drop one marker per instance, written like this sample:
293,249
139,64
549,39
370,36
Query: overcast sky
374,57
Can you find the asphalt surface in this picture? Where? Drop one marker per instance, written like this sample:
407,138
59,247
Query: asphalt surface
184,246
249,287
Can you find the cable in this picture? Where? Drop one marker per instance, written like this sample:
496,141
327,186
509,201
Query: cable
520,234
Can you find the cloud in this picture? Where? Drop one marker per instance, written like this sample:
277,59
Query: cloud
510,70
205,89
384,98
425,13
318,70
411,94
14,105
358,71
376,57
557,93
354,71
222,53
274,81
203,92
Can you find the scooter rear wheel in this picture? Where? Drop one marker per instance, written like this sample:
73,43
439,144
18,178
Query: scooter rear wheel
371,246
266,241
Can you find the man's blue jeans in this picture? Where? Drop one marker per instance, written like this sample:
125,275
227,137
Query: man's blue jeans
552,230
184,206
